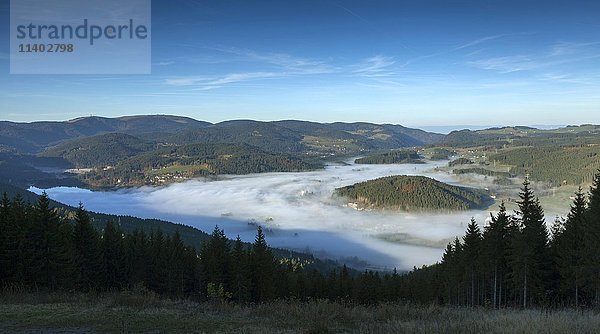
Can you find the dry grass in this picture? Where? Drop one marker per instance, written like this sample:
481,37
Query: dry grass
135,313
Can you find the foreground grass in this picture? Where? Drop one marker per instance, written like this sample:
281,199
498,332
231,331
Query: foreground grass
129,313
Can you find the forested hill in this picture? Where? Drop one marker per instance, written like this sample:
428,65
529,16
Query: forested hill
524,136
172,163
102,150
34,137
413,193
278,136
392,157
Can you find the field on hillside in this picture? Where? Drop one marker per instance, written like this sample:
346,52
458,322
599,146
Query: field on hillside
135,313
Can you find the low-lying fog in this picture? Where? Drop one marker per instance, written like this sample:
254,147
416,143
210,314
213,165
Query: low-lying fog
297,211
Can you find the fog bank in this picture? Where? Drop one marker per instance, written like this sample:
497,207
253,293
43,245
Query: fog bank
298,212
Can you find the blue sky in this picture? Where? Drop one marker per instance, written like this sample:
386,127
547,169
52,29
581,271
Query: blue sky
416,63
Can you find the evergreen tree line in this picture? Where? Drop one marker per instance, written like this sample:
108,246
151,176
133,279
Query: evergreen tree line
41,250
513,262
516,261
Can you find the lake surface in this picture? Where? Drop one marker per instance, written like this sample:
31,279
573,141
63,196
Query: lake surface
298,212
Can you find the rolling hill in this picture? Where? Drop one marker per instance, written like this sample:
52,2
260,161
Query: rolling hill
101,150
413,193
279,136
34,137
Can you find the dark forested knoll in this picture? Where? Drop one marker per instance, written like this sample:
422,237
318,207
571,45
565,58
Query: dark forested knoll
413,193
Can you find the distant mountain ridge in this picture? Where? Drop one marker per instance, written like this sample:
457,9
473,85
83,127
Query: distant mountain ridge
35,136
289,136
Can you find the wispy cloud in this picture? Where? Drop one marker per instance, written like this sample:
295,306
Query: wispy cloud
163,63
558,54
282,61
201,83
347,10
506,64
376,66
264,65
479,41
569,48
590,79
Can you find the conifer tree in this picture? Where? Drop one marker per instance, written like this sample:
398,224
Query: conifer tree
495,249
263,267
569,246
158,266
240,274
592,237
6,223
87,254
530,257
19,222
215,256
137,258
471,255
45,249
112,257
448,264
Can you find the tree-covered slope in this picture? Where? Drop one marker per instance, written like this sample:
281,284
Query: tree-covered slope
171,163
101,150
524,136
266,136
393,157
554,164
413,193
35,136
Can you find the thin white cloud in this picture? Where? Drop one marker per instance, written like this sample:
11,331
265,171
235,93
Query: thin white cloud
283,61
569,48
201,83
479,41
347,10
163,63
376,66
558,54
506,64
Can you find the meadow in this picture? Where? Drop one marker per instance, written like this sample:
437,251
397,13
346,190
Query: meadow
145,312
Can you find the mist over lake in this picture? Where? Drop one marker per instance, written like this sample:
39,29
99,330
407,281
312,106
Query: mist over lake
298,211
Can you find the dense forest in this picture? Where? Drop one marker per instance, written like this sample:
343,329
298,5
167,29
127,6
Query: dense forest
557,165
460,161
99,151
522,136
438,153
482,171
170,163
413,193
393,157
517,261
514,261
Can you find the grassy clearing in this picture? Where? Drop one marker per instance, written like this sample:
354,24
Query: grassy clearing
134,313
